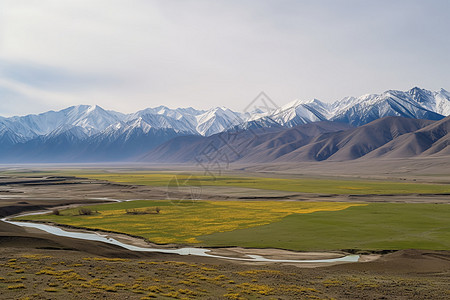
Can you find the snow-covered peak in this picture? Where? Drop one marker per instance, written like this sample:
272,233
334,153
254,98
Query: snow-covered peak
421,96
162,110
444,92
442,102
8,136
140,124
69,131
217,112
93,118
217,120
92,108
344,104
298,102
295,113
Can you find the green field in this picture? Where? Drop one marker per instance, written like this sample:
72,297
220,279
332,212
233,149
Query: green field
303,185
377,226
275,224
310,185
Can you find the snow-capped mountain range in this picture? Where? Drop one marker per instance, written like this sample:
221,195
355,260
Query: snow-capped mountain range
416,103
90,129
92,120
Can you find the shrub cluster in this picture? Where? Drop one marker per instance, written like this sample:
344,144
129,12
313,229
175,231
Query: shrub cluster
150,210
86,211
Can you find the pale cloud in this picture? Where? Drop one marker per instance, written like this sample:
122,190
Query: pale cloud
130,54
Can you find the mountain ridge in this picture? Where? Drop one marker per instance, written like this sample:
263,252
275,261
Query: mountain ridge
91,129
320,141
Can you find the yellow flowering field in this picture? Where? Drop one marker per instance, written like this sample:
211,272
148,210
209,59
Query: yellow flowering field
184,223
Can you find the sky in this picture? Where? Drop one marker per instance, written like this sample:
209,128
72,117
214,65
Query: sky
127,55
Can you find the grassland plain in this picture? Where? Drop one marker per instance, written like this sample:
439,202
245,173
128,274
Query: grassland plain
376,226
305,185
183,223
276,224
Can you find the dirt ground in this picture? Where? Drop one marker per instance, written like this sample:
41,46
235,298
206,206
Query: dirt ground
37,265
70,274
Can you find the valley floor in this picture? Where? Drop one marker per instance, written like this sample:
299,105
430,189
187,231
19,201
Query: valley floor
42,266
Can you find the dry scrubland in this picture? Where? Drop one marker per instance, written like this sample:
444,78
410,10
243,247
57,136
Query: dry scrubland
38,274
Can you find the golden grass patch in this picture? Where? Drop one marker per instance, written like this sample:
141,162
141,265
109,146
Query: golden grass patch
186,223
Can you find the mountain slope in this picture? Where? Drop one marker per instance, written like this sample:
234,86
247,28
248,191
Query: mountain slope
321,141
433,139
255,145
72,146
357,142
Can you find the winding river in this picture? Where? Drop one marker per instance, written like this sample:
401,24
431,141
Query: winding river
95,236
